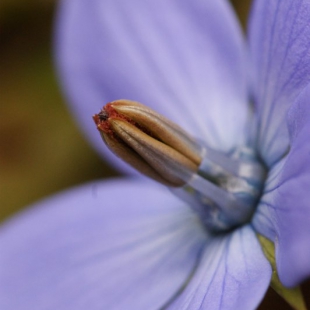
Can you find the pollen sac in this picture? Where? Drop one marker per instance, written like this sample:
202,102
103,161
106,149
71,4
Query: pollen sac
149,142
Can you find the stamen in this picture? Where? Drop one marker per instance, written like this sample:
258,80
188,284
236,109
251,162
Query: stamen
222,188
225,189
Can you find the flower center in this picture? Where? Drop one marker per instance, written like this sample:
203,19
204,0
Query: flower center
222,188
225,189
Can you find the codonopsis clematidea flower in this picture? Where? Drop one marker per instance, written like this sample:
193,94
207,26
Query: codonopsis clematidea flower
131,243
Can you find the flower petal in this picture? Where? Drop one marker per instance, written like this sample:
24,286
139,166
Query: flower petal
184,59
293,197
279,39
233,274
285,204
100,246
264,219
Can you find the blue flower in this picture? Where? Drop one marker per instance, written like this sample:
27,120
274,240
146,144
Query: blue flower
129,243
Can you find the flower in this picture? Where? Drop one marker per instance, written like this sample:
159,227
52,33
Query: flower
130,244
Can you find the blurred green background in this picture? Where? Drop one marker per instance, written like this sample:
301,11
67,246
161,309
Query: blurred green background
42,150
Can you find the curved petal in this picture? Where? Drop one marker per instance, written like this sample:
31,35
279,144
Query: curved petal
284,212
185,59
233,274
293,198
99,246
279,40
264,219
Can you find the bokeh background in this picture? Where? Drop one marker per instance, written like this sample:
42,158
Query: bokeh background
42,150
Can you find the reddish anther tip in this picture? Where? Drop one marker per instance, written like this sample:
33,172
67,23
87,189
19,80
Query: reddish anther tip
108,113
96,119
102,118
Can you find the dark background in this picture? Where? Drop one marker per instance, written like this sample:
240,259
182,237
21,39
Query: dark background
41,148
